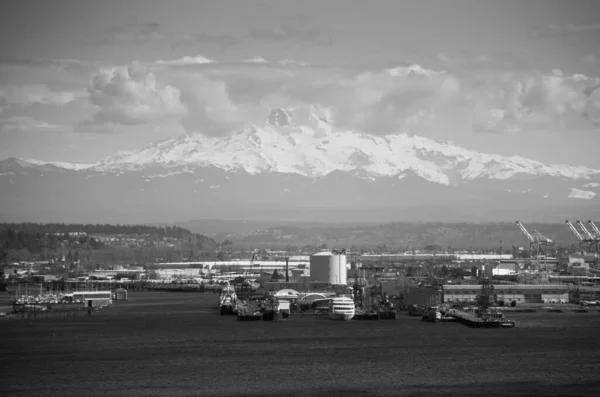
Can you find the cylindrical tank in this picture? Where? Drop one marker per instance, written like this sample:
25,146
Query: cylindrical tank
327,267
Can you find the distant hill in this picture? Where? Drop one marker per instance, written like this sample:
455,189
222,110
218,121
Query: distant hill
399,235
25,241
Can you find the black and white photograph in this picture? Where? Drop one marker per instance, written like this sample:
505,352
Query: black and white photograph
300,198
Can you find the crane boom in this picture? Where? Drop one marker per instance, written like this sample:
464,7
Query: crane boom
586,233
525,232
540,237
595,229
575,231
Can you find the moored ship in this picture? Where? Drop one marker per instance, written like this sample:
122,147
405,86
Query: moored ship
341,308
228,300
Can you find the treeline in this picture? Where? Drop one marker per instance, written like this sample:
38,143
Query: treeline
34,242
106,229
35,237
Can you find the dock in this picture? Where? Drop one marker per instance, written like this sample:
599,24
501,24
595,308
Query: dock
475,321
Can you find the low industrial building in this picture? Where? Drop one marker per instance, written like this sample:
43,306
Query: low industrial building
520,293
421,296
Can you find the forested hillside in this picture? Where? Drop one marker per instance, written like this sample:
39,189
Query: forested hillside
29,241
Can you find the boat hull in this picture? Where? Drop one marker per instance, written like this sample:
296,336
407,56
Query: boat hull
341,316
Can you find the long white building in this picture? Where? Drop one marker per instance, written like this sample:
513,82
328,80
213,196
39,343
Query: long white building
520,293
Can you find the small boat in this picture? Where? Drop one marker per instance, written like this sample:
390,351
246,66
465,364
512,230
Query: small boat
433,315
228,300
507,324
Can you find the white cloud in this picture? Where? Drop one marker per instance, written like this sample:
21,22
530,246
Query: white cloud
131,95
256,60
581,194
197,60
223,98
510,103
28,94
409,98
591,184
292,62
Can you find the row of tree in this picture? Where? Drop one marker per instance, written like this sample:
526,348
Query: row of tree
105,229
35,238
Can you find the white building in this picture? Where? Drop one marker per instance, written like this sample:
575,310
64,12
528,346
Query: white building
328,267
520,293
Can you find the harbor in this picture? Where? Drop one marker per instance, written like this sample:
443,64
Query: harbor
184,336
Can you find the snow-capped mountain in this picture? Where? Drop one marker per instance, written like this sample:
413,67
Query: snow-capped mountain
314,149
295,162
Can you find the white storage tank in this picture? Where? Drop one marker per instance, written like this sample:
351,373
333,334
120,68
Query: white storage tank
328,267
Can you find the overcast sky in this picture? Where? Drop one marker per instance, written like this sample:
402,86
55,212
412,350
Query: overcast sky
81,80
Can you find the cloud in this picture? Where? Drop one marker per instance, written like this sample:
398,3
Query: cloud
222,98
581,194
28,124
292,62
408,98
284,62
256,60
512,103
3,104
131,95
28,94
185,61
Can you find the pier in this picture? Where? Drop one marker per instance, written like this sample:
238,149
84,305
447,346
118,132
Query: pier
476,321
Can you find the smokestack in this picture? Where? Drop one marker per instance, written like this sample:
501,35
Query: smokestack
287,276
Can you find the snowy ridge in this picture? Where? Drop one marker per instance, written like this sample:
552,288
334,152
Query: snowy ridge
304,141
60,164
313,148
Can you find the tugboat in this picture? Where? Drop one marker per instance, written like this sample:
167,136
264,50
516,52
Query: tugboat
387,309
228,300
433,315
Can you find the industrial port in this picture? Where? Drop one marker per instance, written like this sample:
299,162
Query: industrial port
237,314
375,282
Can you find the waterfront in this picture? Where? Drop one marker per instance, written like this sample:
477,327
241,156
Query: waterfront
160,343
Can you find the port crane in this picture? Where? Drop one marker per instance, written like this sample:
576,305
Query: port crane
595,229
593,243
585,245
597,236
538,243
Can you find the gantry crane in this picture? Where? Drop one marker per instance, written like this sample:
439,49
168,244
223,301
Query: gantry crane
595,229
538,243
585,245
597,235
592,242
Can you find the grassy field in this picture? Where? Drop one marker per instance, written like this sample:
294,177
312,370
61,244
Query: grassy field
176,344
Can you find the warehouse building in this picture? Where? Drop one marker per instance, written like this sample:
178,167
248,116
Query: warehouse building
521,293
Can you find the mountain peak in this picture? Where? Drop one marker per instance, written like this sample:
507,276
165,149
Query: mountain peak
280,117
304,141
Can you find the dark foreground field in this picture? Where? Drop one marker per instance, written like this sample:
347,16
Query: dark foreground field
175,344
